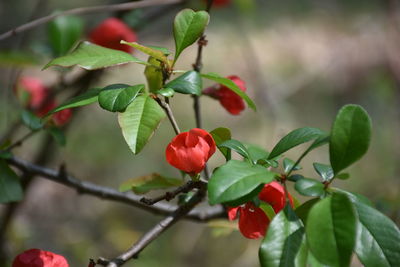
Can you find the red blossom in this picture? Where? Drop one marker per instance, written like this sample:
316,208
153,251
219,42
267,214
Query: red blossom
110,33
232,102
36,91
62,117
253,222
189,151
219,3
39,258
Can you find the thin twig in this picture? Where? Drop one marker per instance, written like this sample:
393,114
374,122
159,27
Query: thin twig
169,113
84,187
158,229
172,194
86,10
20,141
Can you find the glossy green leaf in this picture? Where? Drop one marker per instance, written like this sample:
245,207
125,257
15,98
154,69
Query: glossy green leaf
236,146
310,187
343,176
378,238
295,177
155,53
154,75
58,135
117,97
221,135
331,230
90,57
231,85
289,164
10,187
256,152
324,170
31,120
188,83
167,92
295,138
144,184
236,179
139,121
188,27
304,209
350,137
64,32
87,98
281,246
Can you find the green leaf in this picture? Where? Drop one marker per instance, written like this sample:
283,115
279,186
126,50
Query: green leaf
295,138
4,154
188,27
167,92
31,120
378,238
236,146
139,121
90,57
154,74
231,85
310,187
164,50
155,53
256,152
58,135
10,187
117,97
236,179
221,135
295,177
331,230
289,164
343,176
64,32
144,184
282,244
325,171
188,83
87,98
350,137
304,209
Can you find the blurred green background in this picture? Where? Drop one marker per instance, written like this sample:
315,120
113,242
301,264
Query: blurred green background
301,60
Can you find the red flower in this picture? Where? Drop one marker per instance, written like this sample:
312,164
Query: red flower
110,33
253,222
31,92
62,117
39,258
189,151
232,102
274,194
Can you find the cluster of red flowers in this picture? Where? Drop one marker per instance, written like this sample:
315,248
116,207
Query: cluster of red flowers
35,96
39,258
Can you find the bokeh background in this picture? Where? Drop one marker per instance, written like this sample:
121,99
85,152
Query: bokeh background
301,60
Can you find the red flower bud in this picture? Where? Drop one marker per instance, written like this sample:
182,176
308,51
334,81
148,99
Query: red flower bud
232,102
110,33
62,117
189,151
253,222
39,258
274,194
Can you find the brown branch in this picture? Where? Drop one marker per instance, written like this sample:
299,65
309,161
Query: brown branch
156,231
86,10
84,187
169,113
172,194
